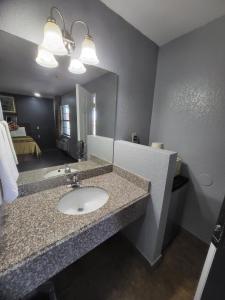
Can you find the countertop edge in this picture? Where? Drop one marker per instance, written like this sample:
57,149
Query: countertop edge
24,277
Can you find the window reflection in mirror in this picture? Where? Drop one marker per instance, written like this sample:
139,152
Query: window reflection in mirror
65,120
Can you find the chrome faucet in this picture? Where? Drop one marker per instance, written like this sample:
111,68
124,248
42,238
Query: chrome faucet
73,180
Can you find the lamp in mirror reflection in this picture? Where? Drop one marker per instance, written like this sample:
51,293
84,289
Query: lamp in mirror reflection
58,41
45,58
76,66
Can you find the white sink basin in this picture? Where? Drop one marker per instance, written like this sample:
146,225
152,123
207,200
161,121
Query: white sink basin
57,172
82,200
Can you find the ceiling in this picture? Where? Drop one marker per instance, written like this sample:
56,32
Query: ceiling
165,20
20,74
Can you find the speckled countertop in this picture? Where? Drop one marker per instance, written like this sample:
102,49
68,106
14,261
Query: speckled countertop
33,226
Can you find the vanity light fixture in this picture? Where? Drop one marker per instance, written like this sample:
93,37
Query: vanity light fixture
60,42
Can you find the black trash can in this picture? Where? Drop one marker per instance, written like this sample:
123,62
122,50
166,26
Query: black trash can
44,292
177,201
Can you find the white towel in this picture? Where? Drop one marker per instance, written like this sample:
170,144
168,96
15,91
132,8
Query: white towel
5,124
8,170
1,112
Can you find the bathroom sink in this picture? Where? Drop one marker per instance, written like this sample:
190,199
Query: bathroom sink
82,200
57,172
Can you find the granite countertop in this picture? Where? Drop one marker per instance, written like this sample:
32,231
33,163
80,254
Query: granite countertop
33,226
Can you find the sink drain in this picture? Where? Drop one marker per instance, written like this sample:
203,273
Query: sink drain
80,209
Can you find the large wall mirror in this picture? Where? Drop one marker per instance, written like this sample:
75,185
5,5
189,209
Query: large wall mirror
55,117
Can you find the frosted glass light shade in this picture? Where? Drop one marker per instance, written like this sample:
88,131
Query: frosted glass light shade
76,66
45,58
53,39
88,52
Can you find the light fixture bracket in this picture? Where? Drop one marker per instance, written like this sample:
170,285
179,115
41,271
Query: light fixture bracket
51,19
68,42
67,35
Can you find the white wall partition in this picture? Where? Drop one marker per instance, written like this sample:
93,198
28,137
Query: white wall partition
158,166
100,146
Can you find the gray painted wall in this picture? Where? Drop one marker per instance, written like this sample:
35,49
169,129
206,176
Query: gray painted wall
121,49
105,88
189,117
37,115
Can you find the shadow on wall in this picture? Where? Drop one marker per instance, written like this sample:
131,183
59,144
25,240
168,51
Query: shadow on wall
204,208
139,228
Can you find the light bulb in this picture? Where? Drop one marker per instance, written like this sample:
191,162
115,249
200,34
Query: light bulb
37,94
53,39
45,58
76,66
88,52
